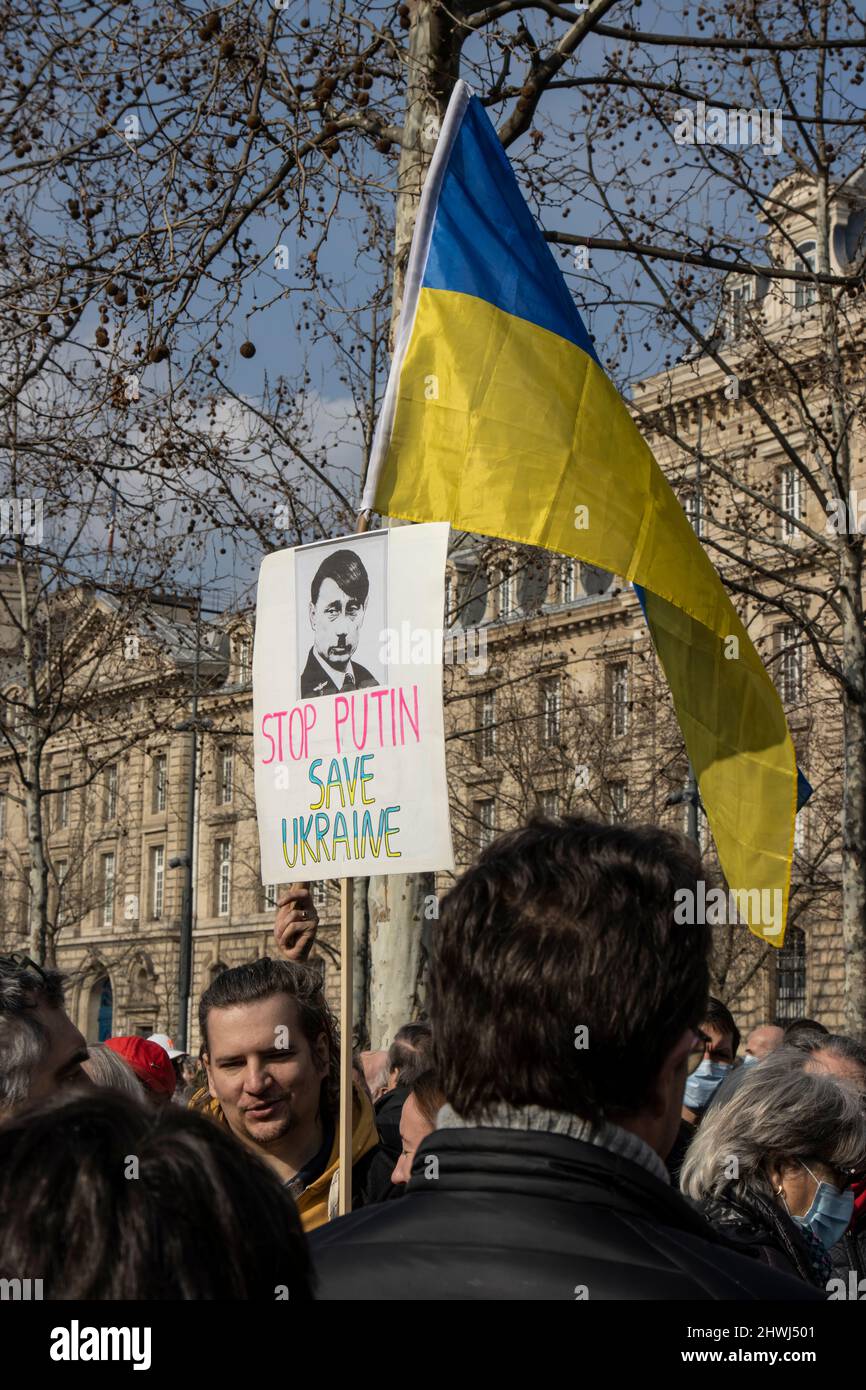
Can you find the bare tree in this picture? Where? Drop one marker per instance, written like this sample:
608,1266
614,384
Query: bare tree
182,179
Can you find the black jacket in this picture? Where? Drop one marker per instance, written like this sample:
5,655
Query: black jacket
389,1108
371,1178
849,1253
764,1230
511,1214
315,680
677,1156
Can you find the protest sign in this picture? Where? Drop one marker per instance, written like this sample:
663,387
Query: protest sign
349,740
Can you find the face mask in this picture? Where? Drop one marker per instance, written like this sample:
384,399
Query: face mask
829,1215
703,1083
749,1061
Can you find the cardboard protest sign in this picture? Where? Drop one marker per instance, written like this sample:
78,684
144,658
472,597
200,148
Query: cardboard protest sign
349,741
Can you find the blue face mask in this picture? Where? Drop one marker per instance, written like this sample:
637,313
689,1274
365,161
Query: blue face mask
749,1060
703,1083
829,1215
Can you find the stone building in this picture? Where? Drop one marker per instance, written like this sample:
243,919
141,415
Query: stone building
554,700
117,783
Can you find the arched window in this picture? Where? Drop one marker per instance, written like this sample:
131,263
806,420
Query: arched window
594,581
100,1010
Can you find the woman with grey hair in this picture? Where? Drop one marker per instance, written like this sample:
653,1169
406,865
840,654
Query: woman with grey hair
106,1069
772,1167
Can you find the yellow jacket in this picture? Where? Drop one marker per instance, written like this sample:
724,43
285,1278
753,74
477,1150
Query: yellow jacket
318,1203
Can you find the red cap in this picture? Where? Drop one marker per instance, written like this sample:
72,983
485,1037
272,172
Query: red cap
148,1060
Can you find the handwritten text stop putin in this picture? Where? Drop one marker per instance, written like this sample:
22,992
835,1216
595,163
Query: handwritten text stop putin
380,718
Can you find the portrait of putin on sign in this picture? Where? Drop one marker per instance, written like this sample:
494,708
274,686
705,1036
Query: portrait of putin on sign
338,604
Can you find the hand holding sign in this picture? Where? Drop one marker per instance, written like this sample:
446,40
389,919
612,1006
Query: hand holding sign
296,923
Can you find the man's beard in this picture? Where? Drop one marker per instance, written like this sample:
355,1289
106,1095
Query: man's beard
269,1131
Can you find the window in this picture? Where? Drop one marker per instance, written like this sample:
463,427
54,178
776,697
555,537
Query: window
805,292
791,976
567,581
61,869
693,505
595,582
320,892
107,894
160,783
548,803
244,660
224,877
485,814
63,800
226,775
791,664
100,1010
790,500
15,698
270,896
551,709
487,724
800,832
617,697
157,881
110,798
736,316
617,795
507,594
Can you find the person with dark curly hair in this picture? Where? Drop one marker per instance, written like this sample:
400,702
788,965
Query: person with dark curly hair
103,1197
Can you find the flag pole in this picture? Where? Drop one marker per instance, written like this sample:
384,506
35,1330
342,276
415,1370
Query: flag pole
347,953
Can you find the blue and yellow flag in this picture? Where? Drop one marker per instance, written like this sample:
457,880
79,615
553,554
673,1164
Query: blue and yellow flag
499,418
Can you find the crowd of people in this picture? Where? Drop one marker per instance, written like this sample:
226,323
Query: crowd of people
575,1120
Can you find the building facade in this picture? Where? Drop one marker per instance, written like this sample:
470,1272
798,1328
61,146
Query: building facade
554,699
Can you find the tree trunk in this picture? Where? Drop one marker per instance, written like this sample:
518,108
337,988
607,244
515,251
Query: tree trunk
41,945
853,652
433,68
396,903
361,963
854,791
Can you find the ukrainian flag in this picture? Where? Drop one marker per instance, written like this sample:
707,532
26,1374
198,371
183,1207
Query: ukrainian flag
499,418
